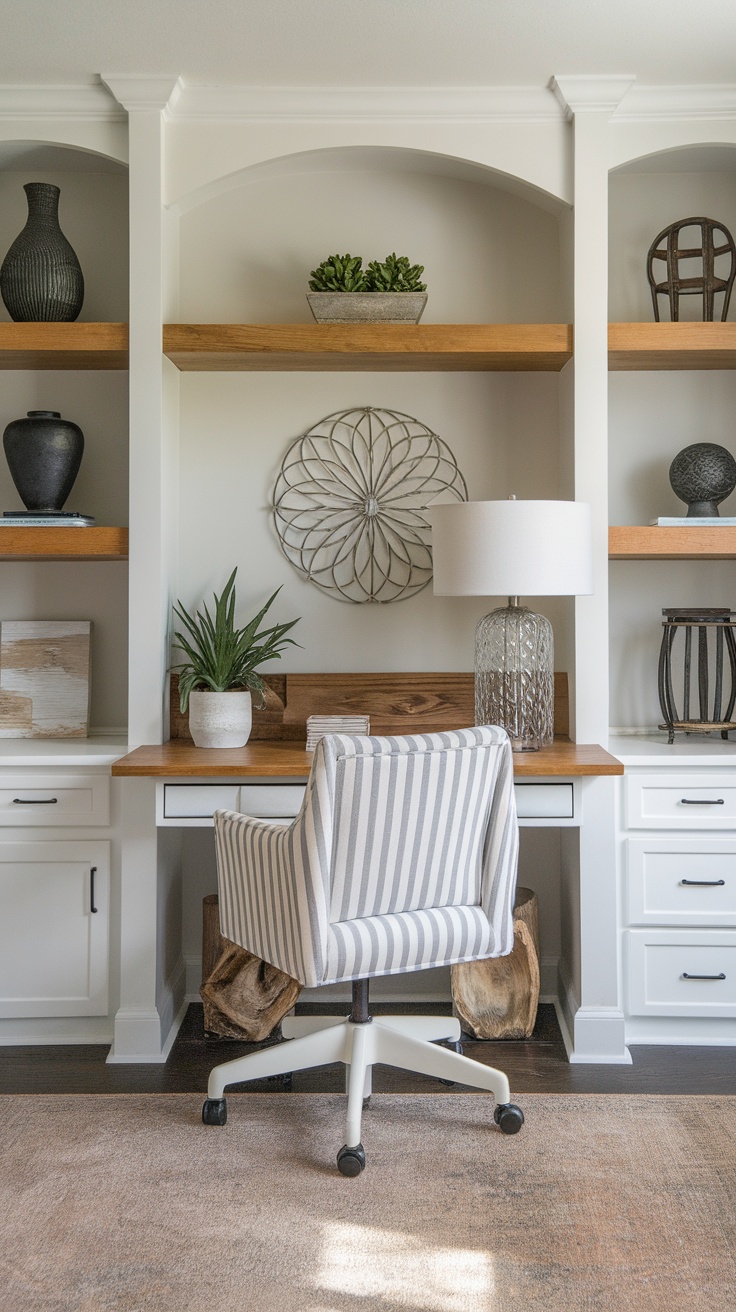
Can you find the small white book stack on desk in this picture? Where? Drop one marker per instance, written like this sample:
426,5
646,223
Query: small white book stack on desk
319,725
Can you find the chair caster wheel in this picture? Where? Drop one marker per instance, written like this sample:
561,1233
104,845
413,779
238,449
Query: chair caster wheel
351,1161
508,1117
214,1111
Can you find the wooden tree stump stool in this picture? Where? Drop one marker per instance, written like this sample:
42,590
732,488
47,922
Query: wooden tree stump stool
244,997
498,998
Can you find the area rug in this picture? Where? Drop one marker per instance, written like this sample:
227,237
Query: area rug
601,1203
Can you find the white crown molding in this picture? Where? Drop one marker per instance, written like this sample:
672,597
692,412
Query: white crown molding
137,92
114,95
86,101
717,101
590,93
469,104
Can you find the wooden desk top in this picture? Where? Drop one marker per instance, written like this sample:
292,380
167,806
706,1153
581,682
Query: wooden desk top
179,759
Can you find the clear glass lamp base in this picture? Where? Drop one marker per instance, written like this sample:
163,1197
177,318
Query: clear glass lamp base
514,676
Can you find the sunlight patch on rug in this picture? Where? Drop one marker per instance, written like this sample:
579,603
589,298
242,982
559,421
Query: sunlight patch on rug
363,1262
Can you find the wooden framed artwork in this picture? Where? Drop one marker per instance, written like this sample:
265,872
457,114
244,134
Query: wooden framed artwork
44,678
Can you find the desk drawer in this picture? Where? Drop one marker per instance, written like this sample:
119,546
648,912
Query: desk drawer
679,881
682,973
200,801
544,801
693,801
271,801
35,800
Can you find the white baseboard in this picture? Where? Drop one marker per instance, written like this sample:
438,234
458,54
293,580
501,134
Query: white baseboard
593,1036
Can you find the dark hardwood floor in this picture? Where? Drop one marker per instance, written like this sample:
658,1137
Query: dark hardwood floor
537,1065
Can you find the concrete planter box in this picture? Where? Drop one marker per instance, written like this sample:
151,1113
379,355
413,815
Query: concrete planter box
367,307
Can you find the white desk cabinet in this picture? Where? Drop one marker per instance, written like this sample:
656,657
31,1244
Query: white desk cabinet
54,929
677,870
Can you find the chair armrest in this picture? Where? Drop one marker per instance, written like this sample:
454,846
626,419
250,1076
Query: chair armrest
501,856
267,895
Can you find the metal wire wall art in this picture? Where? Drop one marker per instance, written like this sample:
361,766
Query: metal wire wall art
349,503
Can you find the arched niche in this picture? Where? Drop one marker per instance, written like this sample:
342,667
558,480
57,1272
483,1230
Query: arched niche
489,242
646,194
93,213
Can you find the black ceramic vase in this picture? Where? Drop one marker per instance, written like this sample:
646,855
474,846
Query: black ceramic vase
40,278
44,453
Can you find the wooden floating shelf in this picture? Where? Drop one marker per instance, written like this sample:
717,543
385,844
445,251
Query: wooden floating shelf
394,347
671,346
51,543
63,346
631,542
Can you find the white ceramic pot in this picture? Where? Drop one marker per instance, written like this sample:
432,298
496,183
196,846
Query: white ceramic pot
220,719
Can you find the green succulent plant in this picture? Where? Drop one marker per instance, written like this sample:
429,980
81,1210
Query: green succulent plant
219,655
395,274
339,273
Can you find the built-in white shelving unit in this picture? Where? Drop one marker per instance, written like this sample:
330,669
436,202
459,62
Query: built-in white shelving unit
197,218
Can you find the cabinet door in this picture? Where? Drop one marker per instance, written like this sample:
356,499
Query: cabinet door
54,928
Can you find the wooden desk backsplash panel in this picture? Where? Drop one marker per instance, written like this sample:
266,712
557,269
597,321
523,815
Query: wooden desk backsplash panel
396,703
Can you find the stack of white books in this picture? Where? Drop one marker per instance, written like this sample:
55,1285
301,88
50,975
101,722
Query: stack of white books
694,521
319,725
46,519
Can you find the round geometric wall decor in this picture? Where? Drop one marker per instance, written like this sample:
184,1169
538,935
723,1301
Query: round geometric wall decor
349,503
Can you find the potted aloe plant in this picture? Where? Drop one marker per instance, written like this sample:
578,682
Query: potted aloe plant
388,291
220,671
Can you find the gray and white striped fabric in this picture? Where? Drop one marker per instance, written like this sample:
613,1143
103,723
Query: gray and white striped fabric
403,856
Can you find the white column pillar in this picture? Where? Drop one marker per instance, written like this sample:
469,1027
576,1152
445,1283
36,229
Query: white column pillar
598,1022
138,1024
152,524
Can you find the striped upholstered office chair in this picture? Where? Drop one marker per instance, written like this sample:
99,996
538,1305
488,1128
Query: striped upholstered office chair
402,857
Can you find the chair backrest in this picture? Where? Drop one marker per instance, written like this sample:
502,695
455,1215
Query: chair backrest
412,818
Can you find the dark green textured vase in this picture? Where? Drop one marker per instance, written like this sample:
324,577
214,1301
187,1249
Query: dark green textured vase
40,278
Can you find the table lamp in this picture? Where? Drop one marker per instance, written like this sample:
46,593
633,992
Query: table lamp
492,548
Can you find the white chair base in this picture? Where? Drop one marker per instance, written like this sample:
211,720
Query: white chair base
408,1042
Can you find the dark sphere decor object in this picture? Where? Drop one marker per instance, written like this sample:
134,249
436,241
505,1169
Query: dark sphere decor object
702,475
44,453
40,277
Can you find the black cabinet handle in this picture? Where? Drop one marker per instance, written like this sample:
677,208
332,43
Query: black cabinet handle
35,801
92,873
701,801
703,883
686,976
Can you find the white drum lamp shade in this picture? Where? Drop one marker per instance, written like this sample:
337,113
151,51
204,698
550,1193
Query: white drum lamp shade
513,548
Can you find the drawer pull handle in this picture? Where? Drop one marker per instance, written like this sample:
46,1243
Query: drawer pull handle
701,801
35,801
686,976
703,883
92,873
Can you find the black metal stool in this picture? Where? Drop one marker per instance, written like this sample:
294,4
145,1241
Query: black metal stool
715,630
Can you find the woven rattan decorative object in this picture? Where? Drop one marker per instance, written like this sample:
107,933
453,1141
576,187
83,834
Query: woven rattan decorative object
715,243
350,498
